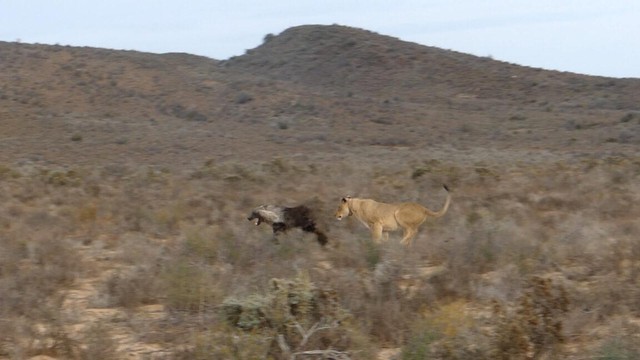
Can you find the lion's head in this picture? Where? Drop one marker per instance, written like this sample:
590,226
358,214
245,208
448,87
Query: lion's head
343,208
255,217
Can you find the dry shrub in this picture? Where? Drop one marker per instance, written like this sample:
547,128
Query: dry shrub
99,344
189,287
201,242
536,325
351,254
61,177
418,346
87,214
532,328
299,317
225,342
132,288
183,240
40,267
610,285
36,263
385,293
386,309
47,336
447,332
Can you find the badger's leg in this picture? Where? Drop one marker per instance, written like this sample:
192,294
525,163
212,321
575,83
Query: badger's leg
322,238
309,227
278,227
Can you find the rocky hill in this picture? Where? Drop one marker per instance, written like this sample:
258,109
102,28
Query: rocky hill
364,63
309,89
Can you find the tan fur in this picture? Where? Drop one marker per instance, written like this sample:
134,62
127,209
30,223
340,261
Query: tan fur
381,218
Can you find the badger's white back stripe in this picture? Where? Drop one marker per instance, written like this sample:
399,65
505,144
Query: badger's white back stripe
270,213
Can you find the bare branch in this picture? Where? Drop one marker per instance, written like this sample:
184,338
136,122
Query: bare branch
284,346
326,354
306,334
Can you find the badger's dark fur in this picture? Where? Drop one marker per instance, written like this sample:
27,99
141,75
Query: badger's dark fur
282,218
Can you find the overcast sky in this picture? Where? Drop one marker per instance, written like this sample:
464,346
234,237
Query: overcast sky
594,37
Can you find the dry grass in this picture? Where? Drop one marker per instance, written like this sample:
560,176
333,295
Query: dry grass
181,240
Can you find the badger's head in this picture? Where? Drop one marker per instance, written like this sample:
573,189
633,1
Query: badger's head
266,213
255,217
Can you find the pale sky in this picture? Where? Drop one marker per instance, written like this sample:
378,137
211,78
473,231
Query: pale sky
595,37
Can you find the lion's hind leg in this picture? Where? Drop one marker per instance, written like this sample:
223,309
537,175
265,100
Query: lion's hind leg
409,234
410,217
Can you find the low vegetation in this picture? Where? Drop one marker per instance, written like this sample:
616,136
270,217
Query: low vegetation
126,180
529,263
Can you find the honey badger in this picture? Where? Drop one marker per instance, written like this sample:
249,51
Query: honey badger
282,218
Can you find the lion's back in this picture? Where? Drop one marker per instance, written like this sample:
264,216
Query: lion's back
374,211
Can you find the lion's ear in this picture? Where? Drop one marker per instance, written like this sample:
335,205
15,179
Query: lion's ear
344,199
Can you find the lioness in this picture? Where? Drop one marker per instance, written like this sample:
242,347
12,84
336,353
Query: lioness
381,218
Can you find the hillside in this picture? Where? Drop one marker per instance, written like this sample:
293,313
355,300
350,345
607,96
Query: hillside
126,180
360,62
310,89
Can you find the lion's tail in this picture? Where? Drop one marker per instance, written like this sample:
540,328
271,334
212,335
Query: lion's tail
444,209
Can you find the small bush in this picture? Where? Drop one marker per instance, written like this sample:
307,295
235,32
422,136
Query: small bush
7,172
200,242
418,346
62,178
302,317
132,289
188,287
536,325
628,117
99,343
449,332
243,98
226,343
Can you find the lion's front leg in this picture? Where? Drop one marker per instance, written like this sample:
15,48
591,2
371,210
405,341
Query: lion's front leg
376,233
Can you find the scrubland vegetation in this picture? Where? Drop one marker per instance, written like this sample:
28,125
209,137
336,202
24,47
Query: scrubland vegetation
119,239
533,261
